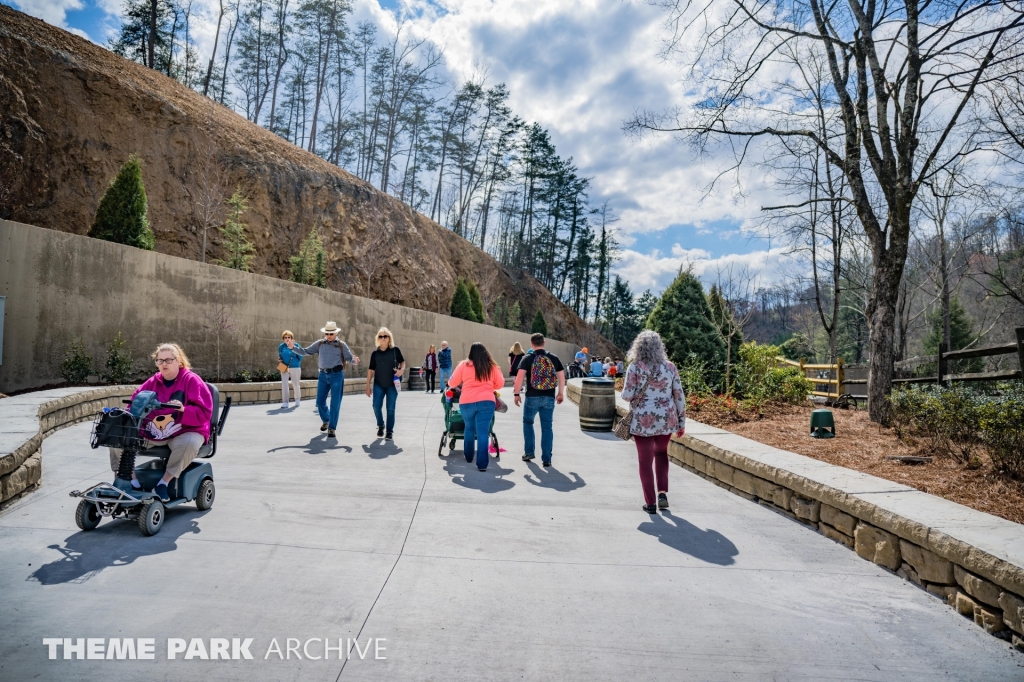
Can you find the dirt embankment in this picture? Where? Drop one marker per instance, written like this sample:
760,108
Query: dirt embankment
71,113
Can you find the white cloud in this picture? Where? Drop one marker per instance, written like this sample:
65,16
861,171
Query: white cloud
51,11
655,271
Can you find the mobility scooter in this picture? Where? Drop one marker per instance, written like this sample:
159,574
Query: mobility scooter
121,428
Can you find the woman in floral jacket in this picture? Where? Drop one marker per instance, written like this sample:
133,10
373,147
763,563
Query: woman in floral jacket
653,388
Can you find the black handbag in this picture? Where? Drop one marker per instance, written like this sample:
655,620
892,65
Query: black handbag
116,428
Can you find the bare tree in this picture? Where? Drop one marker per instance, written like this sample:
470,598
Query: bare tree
731,307
204,183
219,321
902,74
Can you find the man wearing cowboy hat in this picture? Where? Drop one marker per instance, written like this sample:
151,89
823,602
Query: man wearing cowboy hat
332,354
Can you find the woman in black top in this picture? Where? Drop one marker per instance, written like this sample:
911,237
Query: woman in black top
383,377
515,356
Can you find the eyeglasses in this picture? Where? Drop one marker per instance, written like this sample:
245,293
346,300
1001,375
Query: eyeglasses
383,336
165,361
331,334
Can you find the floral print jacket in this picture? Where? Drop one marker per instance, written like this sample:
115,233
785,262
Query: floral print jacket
662,407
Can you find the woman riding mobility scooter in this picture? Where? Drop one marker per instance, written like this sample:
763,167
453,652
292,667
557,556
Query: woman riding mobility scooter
144,493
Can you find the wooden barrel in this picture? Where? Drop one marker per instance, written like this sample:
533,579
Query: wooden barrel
597,404
416,382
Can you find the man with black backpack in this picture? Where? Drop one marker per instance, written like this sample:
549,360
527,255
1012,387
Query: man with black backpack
543,375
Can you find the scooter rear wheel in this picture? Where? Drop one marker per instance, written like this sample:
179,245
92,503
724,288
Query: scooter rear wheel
87,516
207,492
151,519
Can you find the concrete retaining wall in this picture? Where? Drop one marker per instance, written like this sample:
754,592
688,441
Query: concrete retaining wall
60,286
972,560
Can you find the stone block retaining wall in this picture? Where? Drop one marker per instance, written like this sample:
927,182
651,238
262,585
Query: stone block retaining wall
980,584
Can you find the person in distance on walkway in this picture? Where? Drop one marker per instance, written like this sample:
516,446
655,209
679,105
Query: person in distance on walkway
287,355
515,356
430,368
444,364
543,374
596,368
332,354
479,376
653,389
382,376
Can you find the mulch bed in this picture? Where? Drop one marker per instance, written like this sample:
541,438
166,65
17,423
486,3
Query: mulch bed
862,445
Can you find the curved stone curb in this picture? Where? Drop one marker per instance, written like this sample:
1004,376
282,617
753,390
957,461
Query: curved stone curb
972,559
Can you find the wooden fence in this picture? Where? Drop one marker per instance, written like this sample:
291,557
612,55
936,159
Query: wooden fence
832,377
944,357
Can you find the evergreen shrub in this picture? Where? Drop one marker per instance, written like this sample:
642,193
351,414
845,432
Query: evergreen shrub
77,364
476,302
1001,422
683,319
121,215
462,306
120,364
539,325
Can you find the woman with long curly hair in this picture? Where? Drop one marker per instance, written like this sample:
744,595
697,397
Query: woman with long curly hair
653,389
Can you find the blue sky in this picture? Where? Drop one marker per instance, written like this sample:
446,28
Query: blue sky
579,68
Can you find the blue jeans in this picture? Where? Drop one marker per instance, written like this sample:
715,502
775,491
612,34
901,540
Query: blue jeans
333,383
545,406
378,402
477,417
443,375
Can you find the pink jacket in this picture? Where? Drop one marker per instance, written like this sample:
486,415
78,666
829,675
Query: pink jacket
474,391
191,390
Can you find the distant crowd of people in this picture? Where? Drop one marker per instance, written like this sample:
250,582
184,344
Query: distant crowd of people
586,365
651,386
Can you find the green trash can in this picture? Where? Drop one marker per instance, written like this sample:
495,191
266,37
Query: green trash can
823,424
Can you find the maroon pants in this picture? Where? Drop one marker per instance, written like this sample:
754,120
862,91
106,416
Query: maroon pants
652,452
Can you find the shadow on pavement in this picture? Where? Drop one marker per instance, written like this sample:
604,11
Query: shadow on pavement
466,474
318,445
600,435
550,477
706,545
115,543
381,449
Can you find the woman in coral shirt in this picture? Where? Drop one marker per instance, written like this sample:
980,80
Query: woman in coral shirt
480,377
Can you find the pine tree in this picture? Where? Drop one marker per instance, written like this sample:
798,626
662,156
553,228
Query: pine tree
461,306
500,312
722,318
540,325
514,319
683,319
236,243
309,267
961,335
476,301
961,328
121,215
320,270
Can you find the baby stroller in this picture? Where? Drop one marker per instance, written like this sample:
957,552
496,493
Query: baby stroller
454,426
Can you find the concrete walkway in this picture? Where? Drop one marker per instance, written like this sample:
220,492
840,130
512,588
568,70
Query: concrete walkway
519,573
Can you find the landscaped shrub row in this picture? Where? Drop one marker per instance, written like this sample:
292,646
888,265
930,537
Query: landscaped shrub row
760,383
121,367
955,421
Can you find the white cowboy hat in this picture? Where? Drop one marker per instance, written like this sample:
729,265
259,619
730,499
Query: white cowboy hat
331,328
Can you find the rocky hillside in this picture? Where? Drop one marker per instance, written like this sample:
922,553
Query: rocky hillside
71,113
